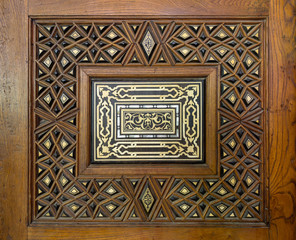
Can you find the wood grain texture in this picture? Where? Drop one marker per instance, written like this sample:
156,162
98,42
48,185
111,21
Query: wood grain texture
282,120
145,7
13,119
148,233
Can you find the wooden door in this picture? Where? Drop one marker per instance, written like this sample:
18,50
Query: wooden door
83,152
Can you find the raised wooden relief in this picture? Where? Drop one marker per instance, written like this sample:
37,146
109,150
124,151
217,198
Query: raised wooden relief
148,121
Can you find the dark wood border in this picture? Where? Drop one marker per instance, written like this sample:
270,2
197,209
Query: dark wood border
209,168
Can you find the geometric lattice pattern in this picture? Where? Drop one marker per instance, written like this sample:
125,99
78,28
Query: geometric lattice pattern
235,47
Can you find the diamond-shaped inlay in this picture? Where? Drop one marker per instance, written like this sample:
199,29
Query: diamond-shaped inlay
111,35
64,61
64,98
47,99
111,190
232,143
47,62
232,181
75,51
74,207
75,35
46,180
111,207
232,98
249,61
222,191
112,51
249,181
232,61
248,98
222,207
184,190
222,51
185,51
148,43
249,143
74,191
184,34
64,143
184,207
221,34
47,143
63,180
147,199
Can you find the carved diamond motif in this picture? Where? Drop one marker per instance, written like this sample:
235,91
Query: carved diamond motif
63,180
111,207
111,190
47,62
111,35
185,51
222,191
75,51
112,51
222,207
148,43
147,199
64,98
47,99
47,180
75,35
64,61
184,207
184,191
184,34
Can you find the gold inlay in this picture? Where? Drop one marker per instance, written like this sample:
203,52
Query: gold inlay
148,43
75,51
75,35
184,190
148,121
147,199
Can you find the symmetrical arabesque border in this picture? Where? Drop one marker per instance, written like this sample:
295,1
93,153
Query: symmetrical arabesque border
60,195
113,97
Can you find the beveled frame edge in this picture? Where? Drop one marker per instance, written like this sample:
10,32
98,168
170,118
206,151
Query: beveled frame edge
210,168
266,92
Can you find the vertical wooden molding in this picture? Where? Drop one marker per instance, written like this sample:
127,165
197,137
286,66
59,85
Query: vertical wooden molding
282,117
14,119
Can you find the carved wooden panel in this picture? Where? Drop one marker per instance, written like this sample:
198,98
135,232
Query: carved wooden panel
235,48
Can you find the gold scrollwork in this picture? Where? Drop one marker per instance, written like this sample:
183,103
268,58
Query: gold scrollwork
154,121
147,121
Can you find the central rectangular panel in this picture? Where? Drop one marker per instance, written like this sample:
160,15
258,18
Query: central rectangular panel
144,121
147,120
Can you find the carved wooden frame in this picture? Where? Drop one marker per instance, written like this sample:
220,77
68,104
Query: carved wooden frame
209,168
164,186
280,134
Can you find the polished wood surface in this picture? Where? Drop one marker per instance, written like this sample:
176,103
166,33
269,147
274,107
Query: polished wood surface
13,120
145,7
14,117
144,233
282,119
